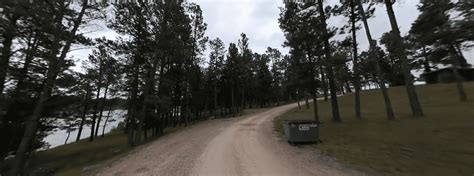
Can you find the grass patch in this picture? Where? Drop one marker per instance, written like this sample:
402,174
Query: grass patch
80,157
442,143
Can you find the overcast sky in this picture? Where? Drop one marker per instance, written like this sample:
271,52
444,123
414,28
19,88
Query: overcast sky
227,19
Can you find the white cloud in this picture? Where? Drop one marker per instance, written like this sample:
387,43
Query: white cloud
227,19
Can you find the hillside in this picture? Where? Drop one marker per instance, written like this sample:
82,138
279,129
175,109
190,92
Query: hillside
441,143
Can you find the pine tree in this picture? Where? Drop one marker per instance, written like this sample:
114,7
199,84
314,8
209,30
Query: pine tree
434,27
329,68
277,71
298,21
400,53
56,59
215,69
355,60
376,60
245,69
349,9
84,90
231,75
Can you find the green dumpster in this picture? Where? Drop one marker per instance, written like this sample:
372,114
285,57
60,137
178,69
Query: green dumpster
301,131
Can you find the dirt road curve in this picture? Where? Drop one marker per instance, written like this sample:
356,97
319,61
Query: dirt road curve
238,146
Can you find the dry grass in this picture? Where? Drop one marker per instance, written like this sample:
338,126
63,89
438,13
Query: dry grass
442,143
81,157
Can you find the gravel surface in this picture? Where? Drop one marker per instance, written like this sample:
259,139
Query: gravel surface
245,145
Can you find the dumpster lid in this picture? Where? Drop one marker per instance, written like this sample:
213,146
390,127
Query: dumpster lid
300,121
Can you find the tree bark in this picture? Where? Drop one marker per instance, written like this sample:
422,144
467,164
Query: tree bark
327,50
400,53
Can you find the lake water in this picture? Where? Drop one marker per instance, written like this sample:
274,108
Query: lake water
58,137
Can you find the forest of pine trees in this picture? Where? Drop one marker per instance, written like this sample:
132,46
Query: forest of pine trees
159,71
436,39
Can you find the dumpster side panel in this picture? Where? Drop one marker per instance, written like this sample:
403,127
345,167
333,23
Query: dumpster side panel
302,132
286,127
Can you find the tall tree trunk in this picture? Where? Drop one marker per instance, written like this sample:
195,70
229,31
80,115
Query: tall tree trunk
314,89
134,112
329,68
6,53
342,88
380,78
426,62
8,37
461,59
31,50
324,82
383,87
315,107
400,53
298,99
104,99
131,114
306,101
355,61
68,134
215,99
96,105
185,104
456,61
242,106
222,110
54,67
147,92
232,100
22,75
348,87
84,114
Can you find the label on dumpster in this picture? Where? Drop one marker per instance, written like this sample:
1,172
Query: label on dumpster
303,127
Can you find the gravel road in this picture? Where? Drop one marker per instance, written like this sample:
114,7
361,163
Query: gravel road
245,145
